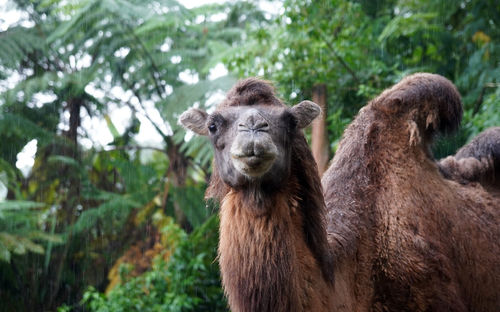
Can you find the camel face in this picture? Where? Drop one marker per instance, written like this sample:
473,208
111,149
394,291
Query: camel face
254,151
251,142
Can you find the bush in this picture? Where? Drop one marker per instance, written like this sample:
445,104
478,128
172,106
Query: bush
188,280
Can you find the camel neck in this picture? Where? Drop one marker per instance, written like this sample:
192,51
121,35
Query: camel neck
265,262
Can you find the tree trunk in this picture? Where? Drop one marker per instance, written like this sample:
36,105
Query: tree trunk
71,186
75,105
177,173
319,135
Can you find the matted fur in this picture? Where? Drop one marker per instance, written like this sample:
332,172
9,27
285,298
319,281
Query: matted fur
404,238
430,101
259,255
478,161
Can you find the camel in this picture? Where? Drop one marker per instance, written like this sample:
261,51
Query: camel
390,232
478,161
404,237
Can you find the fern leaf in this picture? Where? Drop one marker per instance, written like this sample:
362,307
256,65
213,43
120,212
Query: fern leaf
19,205
4,253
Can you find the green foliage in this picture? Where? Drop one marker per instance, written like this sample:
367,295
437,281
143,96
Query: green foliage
187,281
313,43
19,231
84,207
358,48
67,64
488,113
191,200
15,43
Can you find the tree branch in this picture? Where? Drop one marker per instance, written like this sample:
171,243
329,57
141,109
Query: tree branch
155,72
339,58
479,100
132,107
133,147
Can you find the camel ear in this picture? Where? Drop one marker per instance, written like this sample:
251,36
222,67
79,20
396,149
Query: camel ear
305,112
195,120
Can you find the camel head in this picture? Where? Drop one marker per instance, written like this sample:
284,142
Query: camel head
251,140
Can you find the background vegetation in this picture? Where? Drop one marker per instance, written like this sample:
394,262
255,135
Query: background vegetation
122,225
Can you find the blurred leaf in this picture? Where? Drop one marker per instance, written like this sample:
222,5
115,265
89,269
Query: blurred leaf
111,127
38,235
64,160
407,25
4,253
19,205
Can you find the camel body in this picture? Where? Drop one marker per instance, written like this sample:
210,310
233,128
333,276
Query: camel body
404,237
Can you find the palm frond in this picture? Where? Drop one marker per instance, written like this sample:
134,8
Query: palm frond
16,43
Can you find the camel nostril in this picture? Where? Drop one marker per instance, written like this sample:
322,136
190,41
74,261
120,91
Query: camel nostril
243,128
253,121
261,126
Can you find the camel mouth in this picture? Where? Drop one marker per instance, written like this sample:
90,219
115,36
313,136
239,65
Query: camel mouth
253,165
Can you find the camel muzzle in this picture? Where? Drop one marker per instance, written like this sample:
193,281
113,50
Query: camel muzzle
253,151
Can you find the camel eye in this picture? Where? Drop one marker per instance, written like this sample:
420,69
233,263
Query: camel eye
212,128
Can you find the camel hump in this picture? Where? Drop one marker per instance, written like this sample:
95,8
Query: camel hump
477,161
430,103
484,145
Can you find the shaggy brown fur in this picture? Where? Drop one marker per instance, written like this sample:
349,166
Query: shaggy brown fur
404,238
273,248
478,161
253,91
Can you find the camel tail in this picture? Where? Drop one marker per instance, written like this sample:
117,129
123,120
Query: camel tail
429,101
